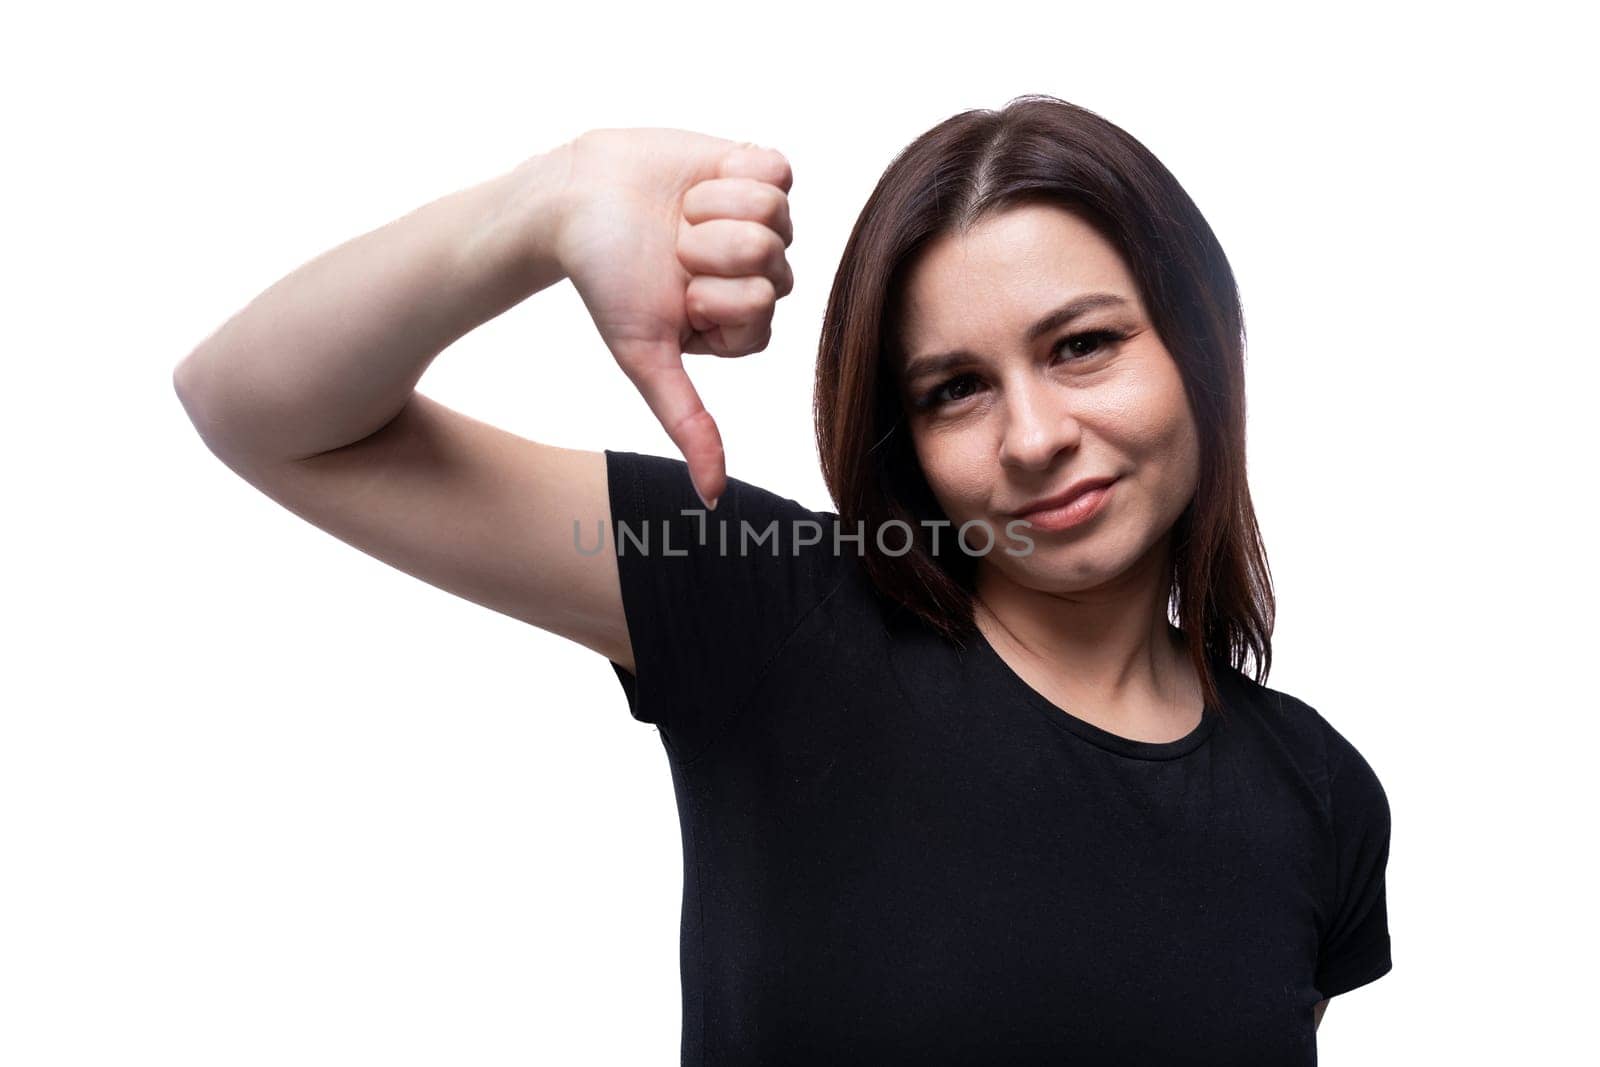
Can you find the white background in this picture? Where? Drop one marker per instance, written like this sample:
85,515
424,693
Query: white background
265,800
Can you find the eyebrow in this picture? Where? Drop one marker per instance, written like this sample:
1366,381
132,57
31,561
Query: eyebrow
941,361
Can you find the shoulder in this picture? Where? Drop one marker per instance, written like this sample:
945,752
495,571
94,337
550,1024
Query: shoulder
644,486
1281,718
711,599
1308,737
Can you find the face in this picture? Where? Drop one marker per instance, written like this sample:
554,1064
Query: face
1008,403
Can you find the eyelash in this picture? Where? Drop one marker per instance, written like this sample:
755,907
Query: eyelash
930,399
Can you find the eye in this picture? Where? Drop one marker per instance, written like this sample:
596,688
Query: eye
1096,339
947,392
1081,346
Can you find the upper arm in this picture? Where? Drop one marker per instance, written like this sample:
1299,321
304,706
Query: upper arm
471,509
711,599
1322,1006
1355,938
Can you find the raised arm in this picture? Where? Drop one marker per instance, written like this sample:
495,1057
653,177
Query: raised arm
309,392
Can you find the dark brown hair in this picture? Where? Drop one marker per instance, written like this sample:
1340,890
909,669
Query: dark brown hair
1039,149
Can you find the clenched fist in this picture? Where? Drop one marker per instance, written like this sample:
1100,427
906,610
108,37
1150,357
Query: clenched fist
675,241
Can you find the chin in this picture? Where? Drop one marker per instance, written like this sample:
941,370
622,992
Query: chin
1062,574
1061,564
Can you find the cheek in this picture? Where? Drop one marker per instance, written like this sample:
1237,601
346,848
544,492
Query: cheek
1169,446
1147,415
952,465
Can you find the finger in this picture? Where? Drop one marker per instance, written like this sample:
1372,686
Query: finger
763,164
671,396
731,248
730,340
745,338
740,198
741,307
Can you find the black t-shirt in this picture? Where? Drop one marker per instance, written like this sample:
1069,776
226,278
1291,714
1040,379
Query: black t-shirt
896,851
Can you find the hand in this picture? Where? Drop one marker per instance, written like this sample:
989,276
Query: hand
675,241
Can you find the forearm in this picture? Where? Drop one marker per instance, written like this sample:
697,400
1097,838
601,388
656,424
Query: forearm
332,352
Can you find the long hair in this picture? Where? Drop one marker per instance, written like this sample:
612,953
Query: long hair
1039,149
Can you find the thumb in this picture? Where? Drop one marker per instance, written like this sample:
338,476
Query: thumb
671,396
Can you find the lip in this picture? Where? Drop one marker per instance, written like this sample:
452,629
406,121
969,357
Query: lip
1082,502
1060,500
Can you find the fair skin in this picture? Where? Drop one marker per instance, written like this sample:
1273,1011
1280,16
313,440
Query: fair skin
675,242
1024,413
1082,618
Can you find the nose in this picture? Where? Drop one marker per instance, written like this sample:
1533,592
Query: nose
1039,424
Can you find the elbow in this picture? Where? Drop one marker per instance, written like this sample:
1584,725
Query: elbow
180,378
204,411
184,384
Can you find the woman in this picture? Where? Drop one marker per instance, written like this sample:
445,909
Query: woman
953,787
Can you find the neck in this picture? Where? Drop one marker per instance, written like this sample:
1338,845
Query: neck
1109,648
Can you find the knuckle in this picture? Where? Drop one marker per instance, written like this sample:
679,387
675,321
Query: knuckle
754,247
769,201
779,164
688,422
760,291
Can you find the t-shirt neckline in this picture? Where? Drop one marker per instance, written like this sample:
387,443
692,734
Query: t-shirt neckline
1088,731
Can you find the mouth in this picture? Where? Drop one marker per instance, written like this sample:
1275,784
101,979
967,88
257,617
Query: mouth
1063,499
1063,511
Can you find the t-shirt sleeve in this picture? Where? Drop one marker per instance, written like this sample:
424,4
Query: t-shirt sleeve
1355,944
710,597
